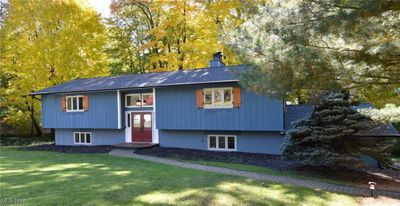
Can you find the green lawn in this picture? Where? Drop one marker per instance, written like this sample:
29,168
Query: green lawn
269,171
43,178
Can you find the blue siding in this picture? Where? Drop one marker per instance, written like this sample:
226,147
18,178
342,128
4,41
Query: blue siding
253,142
102,112
99,136
177,110
369,161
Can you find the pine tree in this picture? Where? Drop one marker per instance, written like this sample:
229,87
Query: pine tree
326,138
323,45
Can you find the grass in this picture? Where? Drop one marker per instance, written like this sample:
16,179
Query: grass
49,178
269,171
249,168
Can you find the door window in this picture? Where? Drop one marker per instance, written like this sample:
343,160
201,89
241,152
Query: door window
147,120
136,120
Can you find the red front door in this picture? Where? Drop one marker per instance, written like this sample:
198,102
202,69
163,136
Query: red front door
141,127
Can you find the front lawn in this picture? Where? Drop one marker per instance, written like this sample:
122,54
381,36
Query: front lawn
43,178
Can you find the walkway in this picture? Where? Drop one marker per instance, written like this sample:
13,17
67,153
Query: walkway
357,191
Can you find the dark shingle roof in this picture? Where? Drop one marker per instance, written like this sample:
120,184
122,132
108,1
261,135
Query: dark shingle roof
294,113
185,77
380,130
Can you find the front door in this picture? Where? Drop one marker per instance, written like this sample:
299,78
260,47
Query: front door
141,127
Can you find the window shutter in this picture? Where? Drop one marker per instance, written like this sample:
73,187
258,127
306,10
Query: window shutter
236,97
199,97
63,103
85,103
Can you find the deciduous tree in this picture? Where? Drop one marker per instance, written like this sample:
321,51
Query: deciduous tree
170,35
43,44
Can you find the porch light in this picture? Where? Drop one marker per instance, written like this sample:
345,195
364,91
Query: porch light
138,102
372,188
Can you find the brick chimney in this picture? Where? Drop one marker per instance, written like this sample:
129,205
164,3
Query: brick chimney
217,60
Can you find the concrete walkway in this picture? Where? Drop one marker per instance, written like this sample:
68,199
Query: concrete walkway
357,191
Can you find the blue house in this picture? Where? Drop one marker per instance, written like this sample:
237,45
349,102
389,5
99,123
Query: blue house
202,109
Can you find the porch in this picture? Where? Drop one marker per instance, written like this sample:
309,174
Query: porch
128,145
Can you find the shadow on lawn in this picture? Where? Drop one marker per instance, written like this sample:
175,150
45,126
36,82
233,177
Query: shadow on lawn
70,179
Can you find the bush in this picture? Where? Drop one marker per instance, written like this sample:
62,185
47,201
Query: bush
23,140
396,148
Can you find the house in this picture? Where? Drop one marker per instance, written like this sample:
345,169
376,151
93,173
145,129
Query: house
202,109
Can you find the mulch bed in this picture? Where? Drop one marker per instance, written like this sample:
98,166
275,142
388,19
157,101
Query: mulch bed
70,149
386,179
266,160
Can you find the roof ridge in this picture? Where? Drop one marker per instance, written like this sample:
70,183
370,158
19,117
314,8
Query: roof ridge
152,79
161,72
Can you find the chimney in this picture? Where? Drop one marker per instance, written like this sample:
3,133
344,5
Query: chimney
217,60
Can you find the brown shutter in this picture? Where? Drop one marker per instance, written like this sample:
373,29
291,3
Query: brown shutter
63,103
199,97
85,103
236,96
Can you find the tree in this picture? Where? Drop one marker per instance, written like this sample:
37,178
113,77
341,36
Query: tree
302,46
150,36
44,44
326,138
128,29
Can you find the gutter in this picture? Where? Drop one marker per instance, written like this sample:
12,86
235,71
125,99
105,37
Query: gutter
130,88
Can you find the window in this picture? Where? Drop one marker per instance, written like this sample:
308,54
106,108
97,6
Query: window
136,121
139,100
82,137
133,100
147,100
222,142
147,121
218,98
74,103
128,120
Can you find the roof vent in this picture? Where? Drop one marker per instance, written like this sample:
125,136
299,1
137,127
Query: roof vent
217,60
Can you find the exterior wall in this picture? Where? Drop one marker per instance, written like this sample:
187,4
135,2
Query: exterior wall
177,110
99,136
370,161
253,142
102,112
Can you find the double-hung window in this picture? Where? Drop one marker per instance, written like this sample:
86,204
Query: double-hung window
218,97
74,103
82,138
222,142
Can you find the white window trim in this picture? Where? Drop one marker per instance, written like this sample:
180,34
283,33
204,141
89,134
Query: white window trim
126,100
72,106
212,106
119,109
217,140
82,143
141,100
128,123
128,130
149,93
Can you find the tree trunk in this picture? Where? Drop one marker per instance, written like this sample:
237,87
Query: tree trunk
34,122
